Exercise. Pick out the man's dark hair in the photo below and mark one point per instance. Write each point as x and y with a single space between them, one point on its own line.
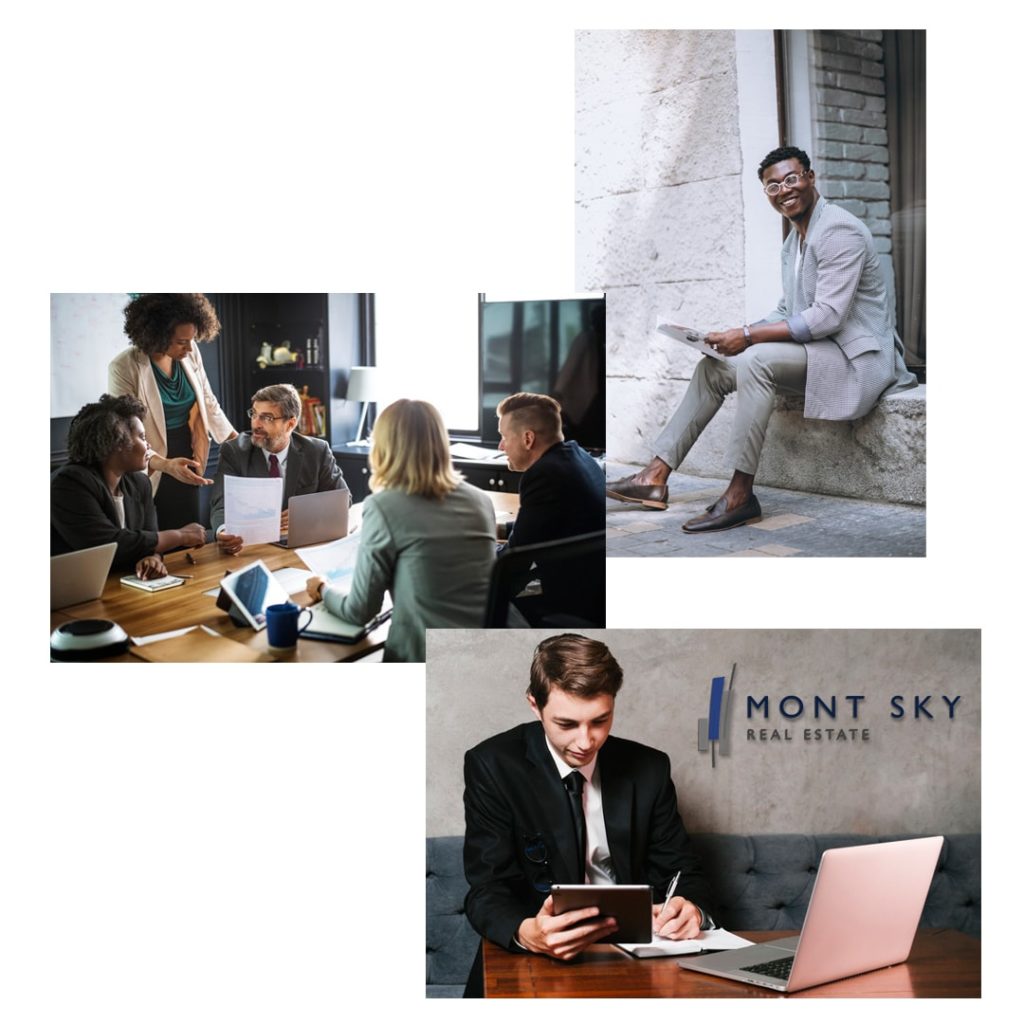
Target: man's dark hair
576 664
101 428
780 154
149 320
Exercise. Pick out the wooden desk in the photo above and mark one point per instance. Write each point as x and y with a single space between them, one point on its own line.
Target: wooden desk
142 614
942 963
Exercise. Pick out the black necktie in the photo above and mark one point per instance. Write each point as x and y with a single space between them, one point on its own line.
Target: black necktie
574 787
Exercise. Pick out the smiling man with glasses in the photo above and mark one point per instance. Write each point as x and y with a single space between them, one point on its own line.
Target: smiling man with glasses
271 449
831 339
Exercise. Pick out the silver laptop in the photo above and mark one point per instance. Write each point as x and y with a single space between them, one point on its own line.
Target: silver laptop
79 575
316 518
863 914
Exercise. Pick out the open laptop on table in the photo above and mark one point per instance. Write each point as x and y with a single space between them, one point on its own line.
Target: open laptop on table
863 914
79 575
316 518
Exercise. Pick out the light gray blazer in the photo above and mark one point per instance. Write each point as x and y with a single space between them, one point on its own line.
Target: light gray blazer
838 308
435 558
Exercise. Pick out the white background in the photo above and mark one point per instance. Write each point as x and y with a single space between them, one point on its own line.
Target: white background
243 845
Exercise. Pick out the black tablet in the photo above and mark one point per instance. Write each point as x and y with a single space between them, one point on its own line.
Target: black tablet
630 905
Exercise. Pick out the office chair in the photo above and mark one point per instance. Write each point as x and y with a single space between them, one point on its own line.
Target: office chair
580 604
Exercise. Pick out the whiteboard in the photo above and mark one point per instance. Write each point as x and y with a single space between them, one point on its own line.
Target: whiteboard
86 332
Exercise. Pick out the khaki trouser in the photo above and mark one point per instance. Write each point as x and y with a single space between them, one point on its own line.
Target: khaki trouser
757 374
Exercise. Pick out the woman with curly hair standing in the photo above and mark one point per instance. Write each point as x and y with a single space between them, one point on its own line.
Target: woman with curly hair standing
164 370
103 496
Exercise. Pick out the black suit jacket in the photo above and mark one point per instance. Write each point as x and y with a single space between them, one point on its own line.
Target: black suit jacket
310 469
562 495
515 800
82 515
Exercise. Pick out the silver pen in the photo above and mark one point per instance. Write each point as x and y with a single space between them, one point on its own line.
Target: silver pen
670 891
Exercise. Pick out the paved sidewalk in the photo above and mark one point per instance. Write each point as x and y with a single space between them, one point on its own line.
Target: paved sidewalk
795 525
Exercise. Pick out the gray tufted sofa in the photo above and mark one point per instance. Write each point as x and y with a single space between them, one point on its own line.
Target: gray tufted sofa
760 882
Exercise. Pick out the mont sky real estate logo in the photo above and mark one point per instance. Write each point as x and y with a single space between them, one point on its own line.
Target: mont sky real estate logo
834 718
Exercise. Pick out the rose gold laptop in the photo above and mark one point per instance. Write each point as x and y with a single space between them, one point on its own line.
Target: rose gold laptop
863 914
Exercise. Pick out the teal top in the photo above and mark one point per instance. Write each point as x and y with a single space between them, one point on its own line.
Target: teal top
176 395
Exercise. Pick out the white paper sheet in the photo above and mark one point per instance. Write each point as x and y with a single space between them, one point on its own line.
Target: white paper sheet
336 561
252 508
717 938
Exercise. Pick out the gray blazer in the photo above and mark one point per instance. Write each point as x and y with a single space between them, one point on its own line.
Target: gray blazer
838 308
310 469
434 557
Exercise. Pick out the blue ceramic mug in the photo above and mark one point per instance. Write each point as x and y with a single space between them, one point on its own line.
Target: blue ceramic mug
283 627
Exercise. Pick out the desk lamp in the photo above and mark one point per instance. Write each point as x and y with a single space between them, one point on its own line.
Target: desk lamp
363 386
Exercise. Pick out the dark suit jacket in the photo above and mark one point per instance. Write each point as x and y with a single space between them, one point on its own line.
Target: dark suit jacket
310 469
562 495
82 515
514 795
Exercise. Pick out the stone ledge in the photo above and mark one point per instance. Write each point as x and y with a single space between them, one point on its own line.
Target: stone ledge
878 458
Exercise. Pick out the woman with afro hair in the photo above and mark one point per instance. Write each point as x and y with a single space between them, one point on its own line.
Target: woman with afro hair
164 370
103 495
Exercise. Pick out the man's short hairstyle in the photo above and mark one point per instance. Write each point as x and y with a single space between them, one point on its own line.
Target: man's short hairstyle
282 395
410 451
150 320
783 153
576 664
102 428
539 413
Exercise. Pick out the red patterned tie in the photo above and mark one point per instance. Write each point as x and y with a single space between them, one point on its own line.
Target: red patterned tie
275 469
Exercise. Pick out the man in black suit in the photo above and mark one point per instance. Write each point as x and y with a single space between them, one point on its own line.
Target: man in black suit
522 834
270 449
561 494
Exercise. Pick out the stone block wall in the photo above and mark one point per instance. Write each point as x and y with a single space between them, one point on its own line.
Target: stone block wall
659 222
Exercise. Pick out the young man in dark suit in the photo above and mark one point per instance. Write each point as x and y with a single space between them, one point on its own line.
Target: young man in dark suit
561 494
270 449
526 789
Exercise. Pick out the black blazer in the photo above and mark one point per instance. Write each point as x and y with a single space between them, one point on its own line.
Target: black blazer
562 495
82 515
516 802
311 468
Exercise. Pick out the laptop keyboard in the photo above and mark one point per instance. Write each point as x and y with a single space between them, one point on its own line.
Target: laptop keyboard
774 968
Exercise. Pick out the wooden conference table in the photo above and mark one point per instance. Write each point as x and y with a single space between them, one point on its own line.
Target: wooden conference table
142 614
943 963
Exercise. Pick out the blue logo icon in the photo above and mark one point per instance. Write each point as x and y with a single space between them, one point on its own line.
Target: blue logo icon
713 731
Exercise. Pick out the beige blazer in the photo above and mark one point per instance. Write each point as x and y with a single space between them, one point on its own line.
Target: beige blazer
131 373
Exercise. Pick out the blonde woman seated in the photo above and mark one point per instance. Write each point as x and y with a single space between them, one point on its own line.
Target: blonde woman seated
427 536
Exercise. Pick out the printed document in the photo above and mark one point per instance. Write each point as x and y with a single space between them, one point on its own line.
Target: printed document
252 508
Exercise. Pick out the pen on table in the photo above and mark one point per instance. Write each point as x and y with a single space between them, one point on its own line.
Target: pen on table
190 558
670 892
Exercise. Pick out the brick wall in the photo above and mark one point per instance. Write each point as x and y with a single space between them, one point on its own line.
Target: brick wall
851 156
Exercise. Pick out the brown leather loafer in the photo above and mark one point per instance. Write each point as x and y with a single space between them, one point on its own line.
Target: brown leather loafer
717 518
648 495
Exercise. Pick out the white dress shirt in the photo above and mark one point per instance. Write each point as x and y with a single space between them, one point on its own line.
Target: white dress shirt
599 858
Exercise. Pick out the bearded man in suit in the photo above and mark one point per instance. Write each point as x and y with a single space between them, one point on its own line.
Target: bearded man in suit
831 339
523 832
272 449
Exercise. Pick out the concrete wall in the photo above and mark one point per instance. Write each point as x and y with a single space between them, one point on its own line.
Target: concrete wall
909 776
659 208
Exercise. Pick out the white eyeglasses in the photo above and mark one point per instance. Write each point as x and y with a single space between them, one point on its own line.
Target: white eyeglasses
789 181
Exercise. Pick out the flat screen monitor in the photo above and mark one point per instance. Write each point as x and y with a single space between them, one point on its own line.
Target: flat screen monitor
552 347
